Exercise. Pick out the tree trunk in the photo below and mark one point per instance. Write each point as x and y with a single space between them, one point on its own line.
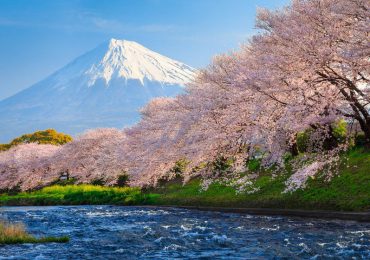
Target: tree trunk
365 127
330 142
294 148
366 131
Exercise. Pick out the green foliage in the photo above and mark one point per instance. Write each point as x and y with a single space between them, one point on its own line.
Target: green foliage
222 165
48 136
350 190
98 182
254 164
4 147
180 166
303 139
287 157
33 240
360 140
70 181
340 130
12 191
122 180
79 195
199 167
175 172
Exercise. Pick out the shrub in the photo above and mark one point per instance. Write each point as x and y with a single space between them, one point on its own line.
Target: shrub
360 139
122 180
98 182
180 166
340 130
338 134
14 190
222 165
70 181
254 164
303 139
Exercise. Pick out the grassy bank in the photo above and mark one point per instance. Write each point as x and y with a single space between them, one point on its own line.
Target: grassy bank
349 191
17 234
78 195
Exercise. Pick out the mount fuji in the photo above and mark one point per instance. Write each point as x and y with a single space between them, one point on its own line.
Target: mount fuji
105 87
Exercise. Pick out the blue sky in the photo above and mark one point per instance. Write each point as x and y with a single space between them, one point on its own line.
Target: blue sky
40 36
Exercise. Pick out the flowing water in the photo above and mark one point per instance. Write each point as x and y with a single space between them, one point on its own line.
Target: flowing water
111 232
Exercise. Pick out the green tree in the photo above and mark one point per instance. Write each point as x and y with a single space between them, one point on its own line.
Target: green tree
48 136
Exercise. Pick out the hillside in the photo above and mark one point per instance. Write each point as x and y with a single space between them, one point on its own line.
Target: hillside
349 190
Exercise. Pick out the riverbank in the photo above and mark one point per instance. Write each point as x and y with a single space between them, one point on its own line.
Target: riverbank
347 192
78 195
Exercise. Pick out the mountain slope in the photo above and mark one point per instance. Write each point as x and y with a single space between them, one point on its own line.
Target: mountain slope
102 88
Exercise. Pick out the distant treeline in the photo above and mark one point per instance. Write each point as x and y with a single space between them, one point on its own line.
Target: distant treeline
48 136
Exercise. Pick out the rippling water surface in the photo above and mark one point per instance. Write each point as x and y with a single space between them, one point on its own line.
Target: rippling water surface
110 232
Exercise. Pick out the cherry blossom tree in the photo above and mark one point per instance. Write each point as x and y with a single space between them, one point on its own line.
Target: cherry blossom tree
93 155
318 51
307 68
25 166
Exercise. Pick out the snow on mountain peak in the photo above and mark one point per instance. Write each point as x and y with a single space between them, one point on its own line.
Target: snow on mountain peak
104 87
130 60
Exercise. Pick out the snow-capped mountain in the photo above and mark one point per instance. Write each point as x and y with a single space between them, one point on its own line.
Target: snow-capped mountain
105 87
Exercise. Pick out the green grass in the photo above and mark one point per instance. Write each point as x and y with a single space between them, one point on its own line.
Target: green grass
16 234
78 195
33 240
349 191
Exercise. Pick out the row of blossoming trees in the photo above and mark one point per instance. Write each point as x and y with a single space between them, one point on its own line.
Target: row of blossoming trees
306 68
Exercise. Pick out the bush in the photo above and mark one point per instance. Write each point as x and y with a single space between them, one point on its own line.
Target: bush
98 182
222 165
338 135
12 191
360 140
180 166
254 164
122 180
303 140
70 181
340 130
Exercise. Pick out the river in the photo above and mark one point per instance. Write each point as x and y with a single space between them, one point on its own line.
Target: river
112 232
